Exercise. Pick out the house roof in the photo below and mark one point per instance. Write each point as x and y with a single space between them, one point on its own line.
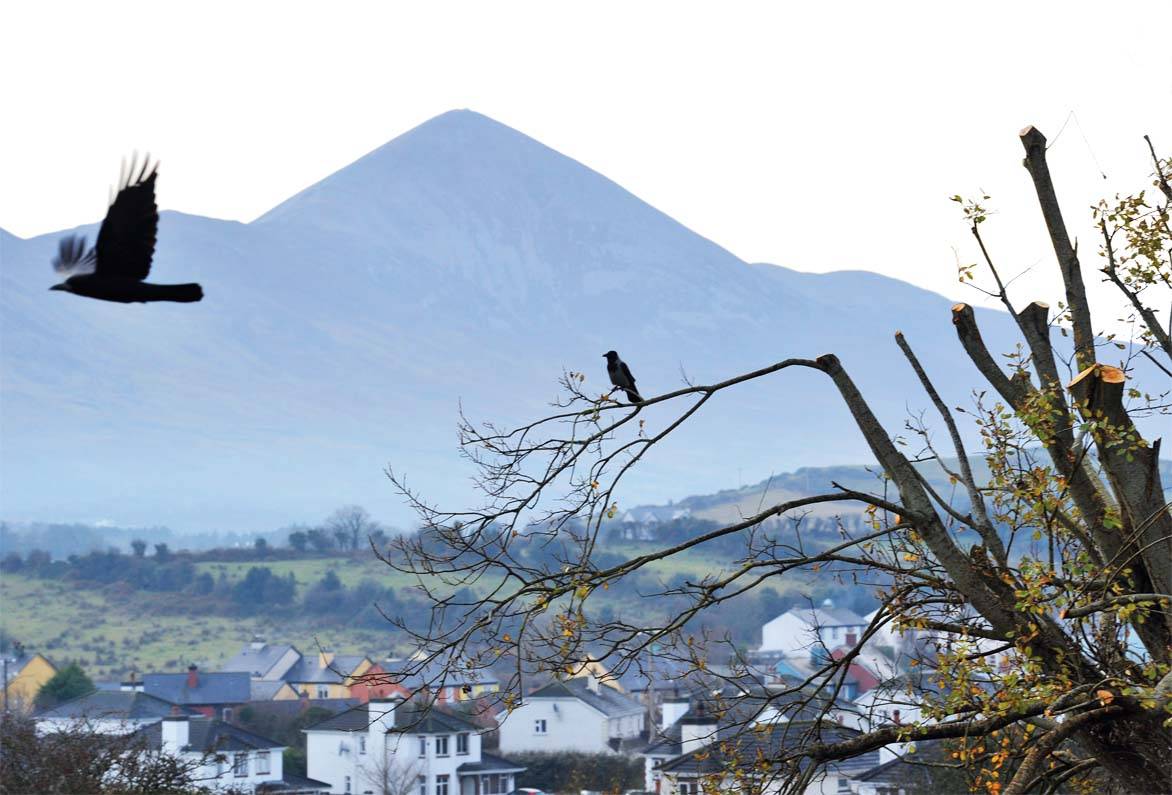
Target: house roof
307 670
914 772
765 742
410 718
292 783
206 735
490 764
738 713
257 660
289 708
112 705
436 675
264 690
607 700
826 616
211 688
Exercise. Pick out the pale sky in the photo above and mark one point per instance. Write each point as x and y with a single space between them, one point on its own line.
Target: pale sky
818 136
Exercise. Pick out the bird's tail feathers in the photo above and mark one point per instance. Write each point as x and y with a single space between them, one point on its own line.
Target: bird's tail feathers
183 293
633 396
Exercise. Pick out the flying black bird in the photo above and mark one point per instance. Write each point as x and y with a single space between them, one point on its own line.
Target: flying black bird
114 269
620 376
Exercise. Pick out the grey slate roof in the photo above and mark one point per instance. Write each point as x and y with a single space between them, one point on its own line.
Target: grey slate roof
206 735
264 689
113 705
292 783
409 717
737 713
306 670
829 616
211 688
437 675
767 742
607 700
257 662
917 773
490 764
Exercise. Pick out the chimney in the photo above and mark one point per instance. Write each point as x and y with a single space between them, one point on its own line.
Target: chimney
697 729
380 714
325 659
672 710
257 644
303 697
192 676
131 684
851 639
176 733
591 681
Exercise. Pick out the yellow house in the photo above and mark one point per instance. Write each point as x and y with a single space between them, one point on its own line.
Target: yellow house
25 676
327 675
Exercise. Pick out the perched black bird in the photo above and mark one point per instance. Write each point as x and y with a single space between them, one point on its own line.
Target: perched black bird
114 269
620 376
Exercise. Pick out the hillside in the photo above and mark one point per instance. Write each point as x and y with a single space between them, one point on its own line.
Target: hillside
462 263
729 505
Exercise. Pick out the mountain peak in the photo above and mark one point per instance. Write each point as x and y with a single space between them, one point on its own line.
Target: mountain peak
461 140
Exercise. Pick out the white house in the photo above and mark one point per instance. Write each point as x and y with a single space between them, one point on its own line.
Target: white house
225 757
388 745
802 631
573 715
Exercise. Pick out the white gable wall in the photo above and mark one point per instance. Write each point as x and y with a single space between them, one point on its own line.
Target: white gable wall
570 724
787 634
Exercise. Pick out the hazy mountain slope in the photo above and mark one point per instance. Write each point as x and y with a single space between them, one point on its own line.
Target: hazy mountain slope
462 261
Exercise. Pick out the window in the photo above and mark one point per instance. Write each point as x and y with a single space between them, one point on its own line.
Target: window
226 714
441 745
362 743
323 691
422 785
493 784
462 744
347 784
240 765
262 762
441 785
685 788
422 747
539 726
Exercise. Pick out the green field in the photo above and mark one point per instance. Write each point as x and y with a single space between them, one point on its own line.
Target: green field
111 632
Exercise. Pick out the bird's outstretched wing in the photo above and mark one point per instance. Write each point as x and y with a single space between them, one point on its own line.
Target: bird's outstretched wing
72 258
126 241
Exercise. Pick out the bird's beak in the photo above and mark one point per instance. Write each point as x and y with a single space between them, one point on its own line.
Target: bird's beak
59 287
